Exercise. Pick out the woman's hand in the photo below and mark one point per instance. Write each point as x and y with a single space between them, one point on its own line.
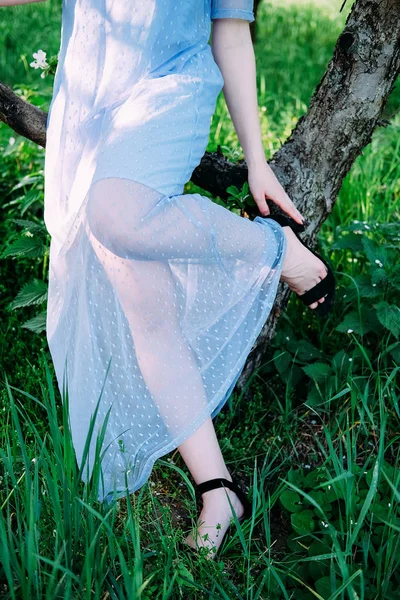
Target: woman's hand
263 183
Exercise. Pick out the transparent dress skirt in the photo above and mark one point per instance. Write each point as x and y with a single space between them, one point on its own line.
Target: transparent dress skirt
156 297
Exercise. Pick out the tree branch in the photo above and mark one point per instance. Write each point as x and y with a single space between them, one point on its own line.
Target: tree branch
24 118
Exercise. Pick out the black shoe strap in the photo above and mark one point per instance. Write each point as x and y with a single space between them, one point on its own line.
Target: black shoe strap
212 484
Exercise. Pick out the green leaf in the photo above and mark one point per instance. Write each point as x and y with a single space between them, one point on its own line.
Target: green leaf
318 567
366 288
318 547
291 501
353 323
249 201
395 277
30 226
313 478
296 476
302 522
375 252
389 316
318 371
282 362
233 191
26 246
396 354
33 292
295 544
314 397
323 586
379 277
320 498
351 241
305 351
37 324
184 572
27 180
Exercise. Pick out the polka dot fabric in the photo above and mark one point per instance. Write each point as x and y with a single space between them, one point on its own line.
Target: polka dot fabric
156 297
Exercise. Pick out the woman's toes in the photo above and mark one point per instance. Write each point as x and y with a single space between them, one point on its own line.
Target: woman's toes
314 305
322 299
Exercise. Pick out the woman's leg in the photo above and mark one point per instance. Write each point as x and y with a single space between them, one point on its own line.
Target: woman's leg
202 455
201 452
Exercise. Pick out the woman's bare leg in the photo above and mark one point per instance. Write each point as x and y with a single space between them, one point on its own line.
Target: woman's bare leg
202 455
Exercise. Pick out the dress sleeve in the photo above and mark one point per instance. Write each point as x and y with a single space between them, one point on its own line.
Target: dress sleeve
232 9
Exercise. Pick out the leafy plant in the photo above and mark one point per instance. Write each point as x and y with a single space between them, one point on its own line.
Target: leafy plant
370 315
239 200
356 513
31 244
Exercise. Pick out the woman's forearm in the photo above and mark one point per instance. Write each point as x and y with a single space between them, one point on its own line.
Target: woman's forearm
233 52
15 2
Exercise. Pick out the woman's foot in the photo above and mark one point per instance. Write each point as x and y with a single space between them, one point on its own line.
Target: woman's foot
301 269
214 519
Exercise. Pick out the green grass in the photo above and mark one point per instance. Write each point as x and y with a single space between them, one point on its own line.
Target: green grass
318 442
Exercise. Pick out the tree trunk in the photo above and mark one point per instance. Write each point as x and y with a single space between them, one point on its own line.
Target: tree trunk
344 111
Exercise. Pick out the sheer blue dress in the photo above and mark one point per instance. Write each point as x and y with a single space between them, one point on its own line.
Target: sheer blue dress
156 297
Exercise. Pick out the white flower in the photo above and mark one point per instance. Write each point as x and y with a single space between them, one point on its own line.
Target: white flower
11 141
307 466
349 331
40 60
313 422
378 262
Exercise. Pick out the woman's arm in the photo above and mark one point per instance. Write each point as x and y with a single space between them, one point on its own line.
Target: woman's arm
233 52
15 2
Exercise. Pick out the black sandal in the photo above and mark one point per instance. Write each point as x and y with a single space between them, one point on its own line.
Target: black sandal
325 287
212 484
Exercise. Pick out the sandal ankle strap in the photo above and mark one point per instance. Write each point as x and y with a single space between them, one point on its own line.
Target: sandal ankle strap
212 484
218 482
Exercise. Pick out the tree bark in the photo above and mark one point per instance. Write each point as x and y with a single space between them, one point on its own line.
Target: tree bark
24 118
344 111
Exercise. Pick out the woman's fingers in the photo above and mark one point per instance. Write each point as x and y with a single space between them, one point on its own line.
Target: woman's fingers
286 204
262 206
263 183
